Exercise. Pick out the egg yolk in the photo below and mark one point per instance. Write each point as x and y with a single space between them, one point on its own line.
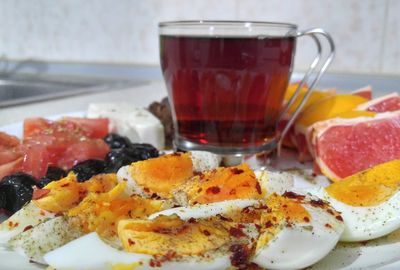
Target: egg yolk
100 212
370 187
167 234
66 193
124 266
221 184
163 174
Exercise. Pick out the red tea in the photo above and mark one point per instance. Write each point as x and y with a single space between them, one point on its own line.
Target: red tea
226 91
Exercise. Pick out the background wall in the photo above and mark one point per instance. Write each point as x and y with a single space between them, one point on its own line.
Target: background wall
366 32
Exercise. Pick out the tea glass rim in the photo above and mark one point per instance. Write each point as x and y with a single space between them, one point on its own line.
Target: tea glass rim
226 28
206 23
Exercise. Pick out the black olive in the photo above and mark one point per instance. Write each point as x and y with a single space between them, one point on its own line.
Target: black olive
116 141
18 178
53 174
17 189
3 199
86 169
145 150
117 158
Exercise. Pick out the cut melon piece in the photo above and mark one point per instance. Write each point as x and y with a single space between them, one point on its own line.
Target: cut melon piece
388 103
347 146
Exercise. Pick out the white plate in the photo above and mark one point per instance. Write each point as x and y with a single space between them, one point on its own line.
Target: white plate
383 253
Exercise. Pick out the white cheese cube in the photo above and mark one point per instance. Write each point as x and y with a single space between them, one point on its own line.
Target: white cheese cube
138 124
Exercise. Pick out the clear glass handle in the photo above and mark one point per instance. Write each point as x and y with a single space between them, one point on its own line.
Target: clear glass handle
315 34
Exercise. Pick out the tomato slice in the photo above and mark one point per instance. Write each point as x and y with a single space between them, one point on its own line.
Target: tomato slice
35 125
39 193
11 167
95 128
36 160
9 155
8 141
84 150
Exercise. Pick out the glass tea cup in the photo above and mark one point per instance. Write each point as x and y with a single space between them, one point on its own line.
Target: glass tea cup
227 80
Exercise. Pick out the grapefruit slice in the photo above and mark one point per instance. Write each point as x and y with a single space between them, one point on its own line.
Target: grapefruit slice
365 92
388 103
344 147
325 108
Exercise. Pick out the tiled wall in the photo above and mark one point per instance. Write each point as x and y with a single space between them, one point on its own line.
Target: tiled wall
366 32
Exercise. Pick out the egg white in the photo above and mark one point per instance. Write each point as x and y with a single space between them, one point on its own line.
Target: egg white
367 222
301 244
204 161
206 210
275 182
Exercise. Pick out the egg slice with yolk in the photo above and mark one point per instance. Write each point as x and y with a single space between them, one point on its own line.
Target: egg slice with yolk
369 201
158 177
296 232
166 242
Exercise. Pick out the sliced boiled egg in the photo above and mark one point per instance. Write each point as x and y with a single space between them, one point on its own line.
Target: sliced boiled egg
157 177
296 232
369 201
166 242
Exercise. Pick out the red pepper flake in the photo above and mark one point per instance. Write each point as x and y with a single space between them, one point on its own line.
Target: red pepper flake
236 232
317 203
65 185
130 242
268 224
206 233
306 219
292 195
39 193
328 225
258 188
338 217
224 218
232 192
158 260
147 190
236 171
27 228
213 190
199 190
173 231
330 211
240 255
192 220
